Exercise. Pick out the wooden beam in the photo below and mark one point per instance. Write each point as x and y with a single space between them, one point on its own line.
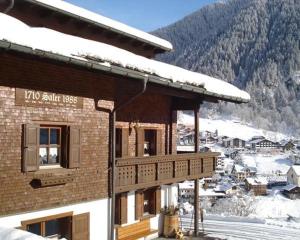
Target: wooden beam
196 182
185 104
196 207
197 140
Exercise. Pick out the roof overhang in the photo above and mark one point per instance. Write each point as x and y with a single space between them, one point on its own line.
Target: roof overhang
118 70
158 43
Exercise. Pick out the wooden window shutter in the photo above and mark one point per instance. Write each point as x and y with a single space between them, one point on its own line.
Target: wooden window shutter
140 138
123 200
31 141
139 204
159 142
74 147
81 227
157 200
125 141
121 209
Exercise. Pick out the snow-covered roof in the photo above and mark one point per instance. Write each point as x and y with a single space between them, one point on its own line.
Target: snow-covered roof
239 168
16 234
186 185
209 193
107 56
289 187
296 169
257 180
101 21
223 187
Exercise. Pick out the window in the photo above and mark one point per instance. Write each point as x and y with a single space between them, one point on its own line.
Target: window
50 145
47 145
147 202
56 228
149 142
122 140
61 226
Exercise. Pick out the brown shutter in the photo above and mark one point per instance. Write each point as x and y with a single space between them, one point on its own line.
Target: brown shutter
157 200
74 147
125 141
140 138
81 227
139 204
31 141
159 142
121 208
123 204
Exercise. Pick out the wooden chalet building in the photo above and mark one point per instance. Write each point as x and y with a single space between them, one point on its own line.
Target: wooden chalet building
88 124
256 184
233 143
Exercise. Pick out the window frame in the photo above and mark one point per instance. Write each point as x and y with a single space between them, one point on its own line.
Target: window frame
49 145
42 221
70 146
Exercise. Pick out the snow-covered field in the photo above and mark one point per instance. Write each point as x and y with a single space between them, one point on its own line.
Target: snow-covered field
267 163
230 128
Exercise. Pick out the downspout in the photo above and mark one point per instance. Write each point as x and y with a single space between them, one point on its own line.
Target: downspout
10 7
113 154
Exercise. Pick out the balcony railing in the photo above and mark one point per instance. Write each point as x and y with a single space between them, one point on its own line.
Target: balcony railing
142 172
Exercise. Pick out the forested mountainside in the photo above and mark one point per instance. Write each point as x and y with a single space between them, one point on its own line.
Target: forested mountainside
254 44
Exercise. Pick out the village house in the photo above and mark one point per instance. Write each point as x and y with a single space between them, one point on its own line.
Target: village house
242 172
263 144
225 188
293 175
233 143
231 153
287 145
88 124
256 184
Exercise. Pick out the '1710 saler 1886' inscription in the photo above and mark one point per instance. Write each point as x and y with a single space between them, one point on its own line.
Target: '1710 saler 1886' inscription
25 97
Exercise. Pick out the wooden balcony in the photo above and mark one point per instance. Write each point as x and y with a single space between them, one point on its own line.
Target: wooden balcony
142 172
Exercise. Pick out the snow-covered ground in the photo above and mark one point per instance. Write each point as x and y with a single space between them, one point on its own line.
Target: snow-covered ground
241 228
267 163
231 128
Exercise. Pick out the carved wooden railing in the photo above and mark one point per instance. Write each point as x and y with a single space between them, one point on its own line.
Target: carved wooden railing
142 172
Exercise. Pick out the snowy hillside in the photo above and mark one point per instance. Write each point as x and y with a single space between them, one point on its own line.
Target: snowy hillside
230 128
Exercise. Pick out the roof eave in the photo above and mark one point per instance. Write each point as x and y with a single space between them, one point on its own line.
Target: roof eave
117 70
156 45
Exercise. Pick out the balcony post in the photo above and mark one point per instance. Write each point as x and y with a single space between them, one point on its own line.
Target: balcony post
196 182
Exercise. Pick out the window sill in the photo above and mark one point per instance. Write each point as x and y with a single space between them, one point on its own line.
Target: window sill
46 177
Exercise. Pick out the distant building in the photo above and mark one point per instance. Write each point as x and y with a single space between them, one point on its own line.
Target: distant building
231 153
291 191
260 144
234 143
225 188
257 184
287 145
242 172
293 175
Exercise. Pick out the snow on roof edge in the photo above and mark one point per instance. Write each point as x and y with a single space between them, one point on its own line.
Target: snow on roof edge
53 42
104 21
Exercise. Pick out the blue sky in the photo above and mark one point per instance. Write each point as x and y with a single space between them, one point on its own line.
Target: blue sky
146 15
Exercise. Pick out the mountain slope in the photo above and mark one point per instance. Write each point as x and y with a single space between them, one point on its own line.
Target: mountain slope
254 44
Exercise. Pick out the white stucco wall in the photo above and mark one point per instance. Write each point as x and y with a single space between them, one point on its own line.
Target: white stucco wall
98 210
292 177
